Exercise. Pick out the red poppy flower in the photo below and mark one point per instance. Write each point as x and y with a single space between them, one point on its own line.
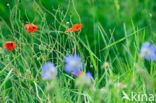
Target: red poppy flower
75 27
31 27
10 45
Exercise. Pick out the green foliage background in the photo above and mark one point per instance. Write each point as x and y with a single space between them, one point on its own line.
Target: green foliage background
113 31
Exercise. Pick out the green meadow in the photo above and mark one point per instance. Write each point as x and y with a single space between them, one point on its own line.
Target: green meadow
109 44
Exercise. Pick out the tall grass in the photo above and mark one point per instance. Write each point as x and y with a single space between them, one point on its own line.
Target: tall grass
114 62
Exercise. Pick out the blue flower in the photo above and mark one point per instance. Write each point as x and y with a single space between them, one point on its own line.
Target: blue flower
73 64
49 71
148 51
88 76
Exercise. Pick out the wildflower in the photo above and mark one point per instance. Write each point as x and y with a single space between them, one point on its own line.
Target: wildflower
84 79
73 64
88 76
10 45
148 51
75 27
105 65
31 27
77 74
49 71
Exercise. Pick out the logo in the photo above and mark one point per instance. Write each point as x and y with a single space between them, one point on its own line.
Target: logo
139 97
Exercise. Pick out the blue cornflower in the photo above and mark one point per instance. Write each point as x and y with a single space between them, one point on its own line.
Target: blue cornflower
88 76
148 51
49 71
73 64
